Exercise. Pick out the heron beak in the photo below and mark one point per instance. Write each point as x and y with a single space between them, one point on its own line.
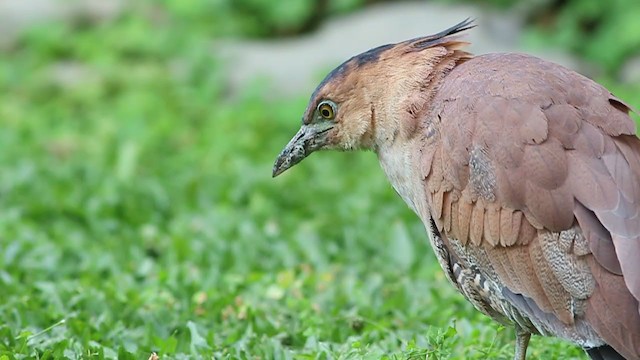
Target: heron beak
309 138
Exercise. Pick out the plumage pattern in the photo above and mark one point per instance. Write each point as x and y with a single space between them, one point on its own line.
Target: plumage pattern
541 169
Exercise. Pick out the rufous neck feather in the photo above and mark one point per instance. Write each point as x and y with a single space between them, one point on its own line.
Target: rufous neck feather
401 98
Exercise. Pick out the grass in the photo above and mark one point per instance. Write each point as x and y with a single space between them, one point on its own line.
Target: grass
138 214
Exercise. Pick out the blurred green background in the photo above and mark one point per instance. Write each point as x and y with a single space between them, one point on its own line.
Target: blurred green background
138 213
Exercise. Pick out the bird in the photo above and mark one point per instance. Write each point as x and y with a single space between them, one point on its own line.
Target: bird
525 174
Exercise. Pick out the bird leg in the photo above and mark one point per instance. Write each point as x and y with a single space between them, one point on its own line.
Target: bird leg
522 342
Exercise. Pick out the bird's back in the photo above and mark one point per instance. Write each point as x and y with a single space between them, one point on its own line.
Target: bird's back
533 185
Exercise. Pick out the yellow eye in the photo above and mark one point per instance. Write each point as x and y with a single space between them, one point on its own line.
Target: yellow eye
326 110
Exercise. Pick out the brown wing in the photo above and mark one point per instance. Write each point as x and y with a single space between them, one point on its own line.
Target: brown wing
528 149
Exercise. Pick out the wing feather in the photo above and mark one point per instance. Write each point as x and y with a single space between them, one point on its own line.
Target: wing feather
530 148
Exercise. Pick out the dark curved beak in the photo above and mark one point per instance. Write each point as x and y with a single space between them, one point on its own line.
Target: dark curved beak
309 138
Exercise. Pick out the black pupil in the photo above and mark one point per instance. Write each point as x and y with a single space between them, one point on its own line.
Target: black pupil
325 112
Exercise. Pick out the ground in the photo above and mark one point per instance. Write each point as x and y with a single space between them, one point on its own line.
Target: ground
138 214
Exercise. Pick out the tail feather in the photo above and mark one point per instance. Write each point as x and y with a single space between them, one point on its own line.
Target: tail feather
604 352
